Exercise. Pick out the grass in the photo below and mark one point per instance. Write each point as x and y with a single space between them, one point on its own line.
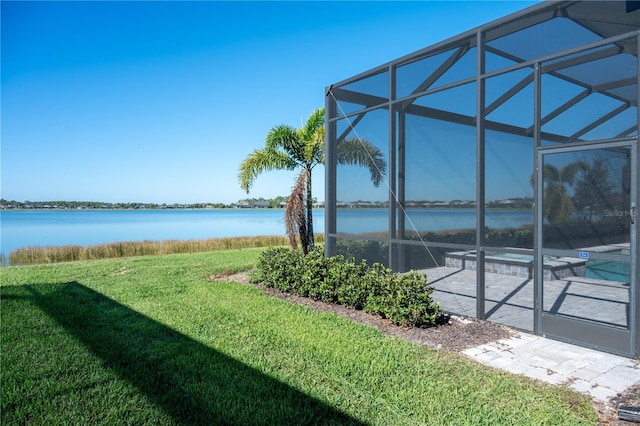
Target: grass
152 340
69 253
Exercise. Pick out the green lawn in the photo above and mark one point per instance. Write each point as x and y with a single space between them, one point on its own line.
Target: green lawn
150 340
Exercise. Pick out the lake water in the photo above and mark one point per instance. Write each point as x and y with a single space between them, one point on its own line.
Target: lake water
26 228
350 220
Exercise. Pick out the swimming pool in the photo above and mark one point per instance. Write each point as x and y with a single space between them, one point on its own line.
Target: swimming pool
521 265
517 265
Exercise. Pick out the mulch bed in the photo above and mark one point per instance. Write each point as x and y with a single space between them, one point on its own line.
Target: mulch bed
461 333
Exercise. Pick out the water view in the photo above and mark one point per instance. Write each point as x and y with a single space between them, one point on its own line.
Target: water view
27 228
358 220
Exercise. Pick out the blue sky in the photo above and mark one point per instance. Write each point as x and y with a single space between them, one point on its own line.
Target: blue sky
161 101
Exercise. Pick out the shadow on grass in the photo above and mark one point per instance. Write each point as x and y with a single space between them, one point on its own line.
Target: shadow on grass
193 383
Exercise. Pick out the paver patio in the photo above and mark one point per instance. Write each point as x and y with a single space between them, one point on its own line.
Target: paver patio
509 300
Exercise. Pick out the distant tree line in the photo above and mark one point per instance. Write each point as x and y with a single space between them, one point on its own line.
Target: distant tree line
276 202
510 203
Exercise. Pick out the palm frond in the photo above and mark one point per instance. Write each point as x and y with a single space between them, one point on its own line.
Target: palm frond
314 148
259 161
569 172
363 153
286 138
312 125
550 173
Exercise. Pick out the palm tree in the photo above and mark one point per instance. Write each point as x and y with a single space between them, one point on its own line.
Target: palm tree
594 190
287 148
558 205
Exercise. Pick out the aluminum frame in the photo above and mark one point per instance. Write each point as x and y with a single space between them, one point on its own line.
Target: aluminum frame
612 42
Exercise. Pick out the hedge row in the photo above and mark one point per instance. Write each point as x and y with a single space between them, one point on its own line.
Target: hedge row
403 298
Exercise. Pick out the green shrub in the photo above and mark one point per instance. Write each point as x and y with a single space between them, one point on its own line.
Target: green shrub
369 250
407 300
351 283
403 298
277 268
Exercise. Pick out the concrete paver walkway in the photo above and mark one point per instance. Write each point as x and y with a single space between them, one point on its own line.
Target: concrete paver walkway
598 374
509 301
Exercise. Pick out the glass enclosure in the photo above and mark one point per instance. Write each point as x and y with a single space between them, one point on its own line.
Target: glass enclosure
503 162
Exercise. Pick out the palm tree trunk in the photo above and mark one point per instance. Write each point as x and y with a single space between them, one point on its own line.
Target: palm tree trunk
309 212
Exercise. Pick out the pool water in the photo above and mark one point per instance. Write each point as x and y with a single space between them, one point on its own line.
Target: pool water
608 270
516 256
600 269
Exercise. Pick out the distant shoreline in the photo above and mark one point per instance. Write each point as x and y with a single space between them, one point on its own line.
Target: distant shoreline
59 227
249 203
131 209
16 209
